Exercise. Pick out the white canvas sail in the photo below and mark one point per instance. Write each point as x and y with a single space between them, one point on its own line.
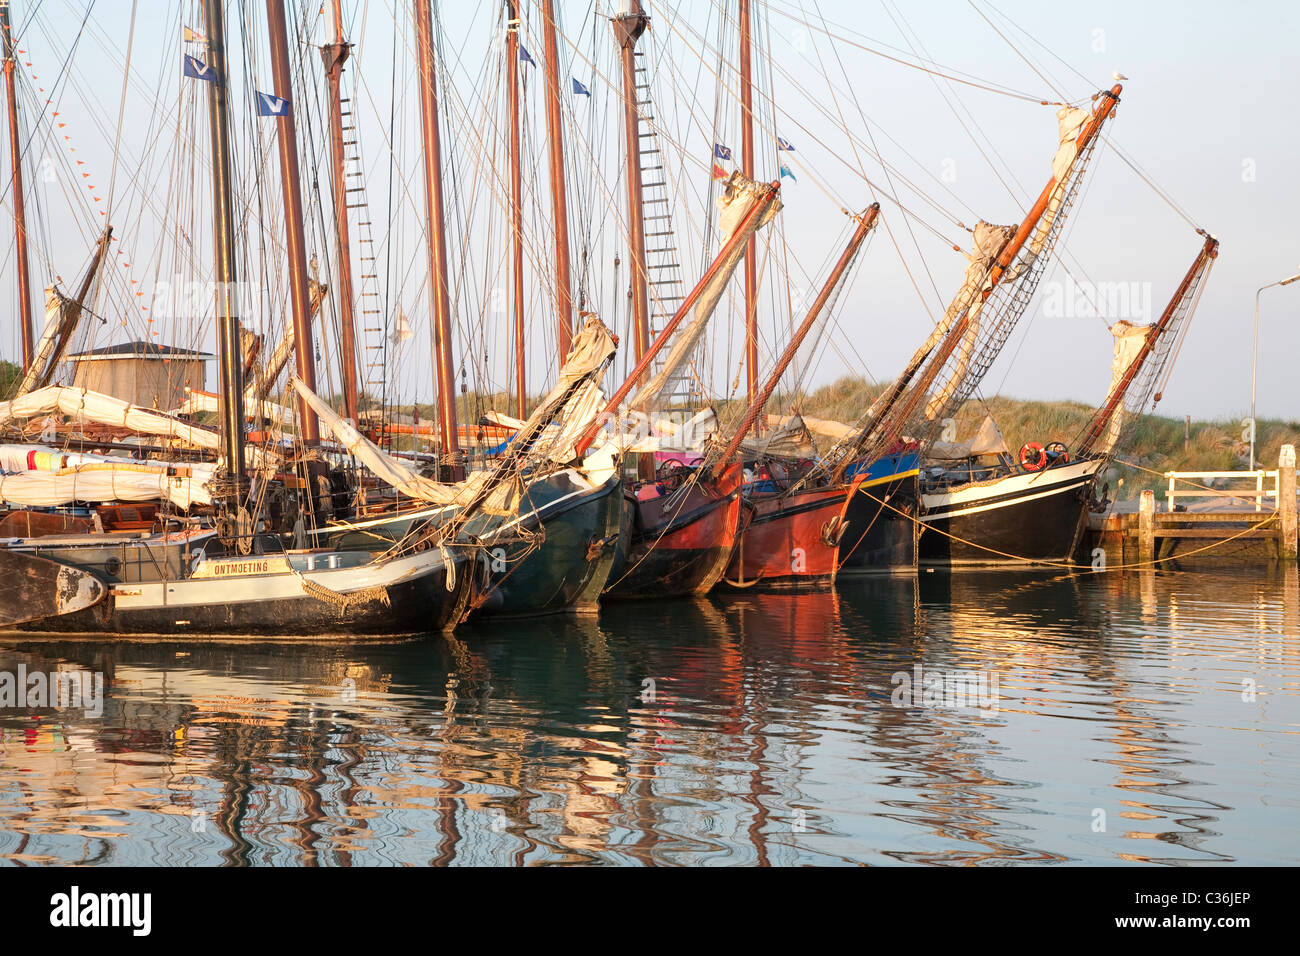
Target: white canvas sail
592 347
739 196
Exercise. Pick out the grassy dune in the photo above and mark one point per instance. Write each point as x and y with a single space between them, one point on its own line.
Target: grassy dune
1153 442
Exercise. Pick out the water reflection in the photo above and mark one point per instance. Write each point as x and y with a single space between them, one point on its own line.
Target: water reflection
1142 718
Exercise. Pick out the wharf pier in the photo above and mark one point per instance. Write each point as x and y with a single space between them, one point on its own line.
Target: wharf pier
1225 522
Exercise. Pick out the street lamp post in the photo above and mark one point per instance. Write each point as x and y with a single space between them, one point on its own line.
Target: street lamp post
1254 359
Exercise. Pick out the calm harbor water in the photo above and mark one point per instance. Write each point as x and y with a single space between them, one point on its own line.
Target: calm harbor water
1146 719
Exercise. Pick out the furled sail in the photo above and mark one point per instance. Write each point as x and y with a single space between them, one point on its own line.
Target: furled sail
84 405
37 476
990 240
61 317
574 402
739 196
1130 340
197 401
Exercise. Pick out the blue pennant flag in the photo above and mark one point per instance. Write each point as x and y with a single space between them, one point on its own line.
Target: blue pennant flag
268 105
523 55
199 70
784 145
785 171
579 89
722 152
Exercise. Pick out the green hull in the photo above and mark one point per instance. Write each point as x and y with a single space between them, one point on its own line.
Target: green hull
574 531
566 566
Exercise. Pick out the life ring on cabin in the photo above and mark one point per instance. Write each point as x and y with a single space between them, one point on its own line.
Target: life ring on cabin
1059 454
1032 456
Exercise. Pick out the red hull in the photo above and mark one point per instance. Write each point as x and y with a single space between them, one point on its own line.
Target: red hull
680 543
791 541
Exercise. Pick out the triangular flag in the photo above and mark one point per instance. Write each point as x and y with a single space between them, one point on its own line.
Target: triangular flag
268 105
785 171
199 70
784 144
719 172
523 55
722 152
579 89
403 330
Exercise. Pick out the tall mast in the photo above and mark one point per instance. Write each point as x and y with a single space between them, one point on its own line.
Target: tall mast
437 241
299 293
335 55
20 215
747 167
898 402
1181 297
628 27
229 355
559 197
516 206
865 222
724 262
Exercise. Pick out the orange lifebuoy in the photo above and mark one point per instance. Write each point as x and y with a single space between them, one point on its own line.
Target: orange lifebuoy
1032 456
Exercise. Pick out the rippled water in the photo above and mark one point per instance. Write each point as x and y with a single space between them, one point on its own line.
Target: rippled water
1141 718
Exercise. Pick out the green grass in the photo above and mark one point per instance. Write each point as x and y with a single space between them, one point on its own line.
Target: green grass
1154 442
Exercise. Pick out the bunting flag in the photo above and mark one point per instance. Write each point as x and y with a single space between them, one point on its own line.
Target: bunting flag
579 89
785 171
722 152
719 172
523 55
199 70
268 105
190 36
784 145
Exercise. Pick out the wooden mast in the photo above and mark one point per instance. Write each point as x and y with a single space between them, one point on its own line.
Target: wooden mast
865 222
1209 251
939 351
229 354
559 196
666 334
20 214
437 236
291 190
334 56
516 207
628 28
747 168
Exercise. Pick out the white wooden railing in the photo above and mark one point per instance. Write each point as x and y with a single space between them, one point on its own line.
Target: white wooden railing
1258 493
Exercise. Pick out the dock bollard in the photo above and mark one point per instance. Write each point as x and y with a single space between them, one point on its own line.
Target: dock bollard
1286 504
1147 527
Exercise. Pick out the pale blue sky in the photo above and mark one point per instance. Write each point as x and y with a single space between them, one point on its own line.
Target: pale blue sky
1208 112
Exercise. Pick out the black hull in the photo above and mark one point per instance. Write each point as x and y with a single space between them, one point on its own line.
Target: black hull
877 538
1039 523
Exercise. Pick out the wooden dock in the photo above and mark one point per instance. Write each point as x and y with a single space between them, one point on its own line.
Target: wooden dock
1150 536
